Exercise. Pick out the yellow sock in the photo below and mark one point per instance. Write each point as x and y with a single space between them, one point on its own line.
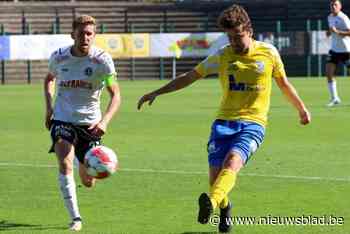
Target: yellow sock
222 186
224 202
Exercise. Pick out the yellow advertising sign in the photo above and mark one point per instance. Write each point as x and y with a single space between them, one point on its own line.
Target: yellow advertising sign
124 45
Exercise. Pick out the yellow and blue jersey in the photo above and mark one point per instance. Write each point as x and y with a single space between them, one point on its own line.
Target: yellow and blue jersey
246 80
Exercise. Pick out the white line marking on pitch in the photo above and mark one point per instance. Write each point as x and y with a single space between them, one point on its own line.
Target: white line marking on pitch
317 178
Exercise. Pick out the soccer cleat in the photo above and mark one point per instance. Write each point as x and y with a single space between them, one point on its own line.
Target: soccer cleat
205 208
76 225
225 224
334 102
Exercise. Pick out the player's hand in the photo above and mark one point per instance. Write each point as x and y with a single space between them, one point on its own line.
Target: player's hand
150 97
98 129
48 118
305 117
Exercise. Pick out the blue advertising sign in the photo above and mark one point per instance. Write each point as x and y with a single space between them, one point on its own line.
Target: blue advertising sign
4 47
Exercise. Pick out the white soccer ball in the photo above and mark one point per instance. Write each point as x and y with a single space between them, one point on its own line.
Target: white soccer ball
101 162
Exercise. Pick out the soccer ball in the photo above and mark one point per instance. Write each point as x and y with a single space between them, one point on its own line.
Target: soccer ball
101 162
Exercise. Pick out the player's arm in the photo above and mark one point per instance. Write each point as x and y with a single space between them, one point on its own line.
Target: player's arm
290 92
179 82
330 26
49 91
112 87
343 33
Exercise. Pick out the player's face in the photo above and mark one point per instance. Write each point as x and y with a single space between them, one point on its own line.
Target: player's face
239 39
83 37
335 7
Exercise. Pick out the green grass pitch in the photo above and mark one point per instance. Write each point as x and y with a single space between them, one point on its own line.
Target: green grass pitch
299 170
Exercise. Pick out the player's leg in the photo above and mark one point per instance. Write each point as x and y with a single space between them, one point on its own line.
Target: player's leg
225 223
65 155
243 144
63 136
226 179
222 180
218 146
246 138
85 141
213 174
86 180
205 206
331 67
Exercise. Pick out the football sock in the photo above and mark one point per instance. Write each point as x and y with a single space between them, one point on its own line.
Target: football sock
224 203
68 190
222 186
332 87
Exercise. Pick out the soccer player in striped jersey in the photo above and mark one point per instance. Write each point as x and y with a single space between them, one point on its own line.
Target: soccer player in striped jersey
245 69
80 72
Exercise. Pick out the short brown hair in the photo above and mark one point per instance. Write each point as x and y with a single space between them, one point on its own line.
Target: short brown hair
235 16
83 20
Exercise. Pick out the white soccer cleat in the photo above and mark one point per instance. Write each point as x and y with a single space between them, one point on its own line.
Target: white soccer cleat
334 102
75 226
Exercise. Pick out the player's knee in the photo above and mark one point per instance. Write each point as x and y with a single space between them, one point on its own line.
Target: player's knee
330 70
66 167
233 161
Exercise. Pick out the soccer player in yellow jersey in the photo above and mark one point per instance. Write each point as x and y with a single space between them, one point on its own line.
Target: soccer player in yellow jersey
245 68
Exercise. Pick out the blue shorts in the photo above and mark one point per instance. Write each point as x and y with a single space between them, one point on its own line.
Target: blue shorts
243 137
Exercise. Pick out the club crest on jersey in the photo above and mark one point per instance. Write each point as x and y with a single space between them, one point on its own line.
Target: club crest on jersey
260 66
88 71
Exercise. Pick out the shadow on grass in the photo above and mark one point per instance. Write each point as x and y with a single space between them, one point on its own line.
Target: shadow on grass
199 233
7 226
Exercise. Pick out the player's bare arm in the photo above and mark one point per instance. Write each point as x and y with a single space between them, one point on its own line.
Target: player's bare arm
289 91
49 90
100 128
179 82
340 32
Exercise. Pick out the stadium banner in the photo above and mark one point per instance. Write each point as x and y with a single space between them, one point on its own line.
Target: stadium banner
287 43
124 45
39 47
186 44
4 47
320 43
36 47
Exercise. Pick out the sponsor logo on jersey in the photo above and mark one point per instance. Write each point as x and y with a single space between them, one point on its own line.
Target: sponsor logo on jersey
240 86
75 84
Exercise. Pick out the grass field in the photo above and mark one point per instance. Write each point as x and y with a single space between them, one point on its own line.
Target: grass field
299 170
